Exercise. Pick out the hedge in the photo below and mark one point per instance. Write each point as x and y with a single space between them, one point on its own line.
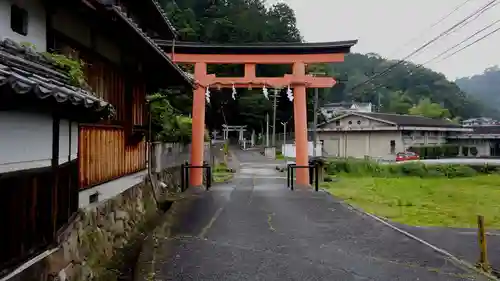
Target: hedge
357 167
433 152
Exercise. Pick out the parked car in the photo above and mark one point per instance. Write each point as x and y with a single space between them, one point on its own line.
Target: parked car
405 156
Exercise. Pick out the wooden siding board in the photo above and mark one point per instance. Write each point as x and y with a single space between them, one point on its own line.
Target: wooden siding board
105 155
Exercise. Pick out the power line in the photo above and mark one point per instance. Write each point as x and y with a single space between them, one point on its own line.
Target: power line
431 27
456 45
470 44
444 33
460 43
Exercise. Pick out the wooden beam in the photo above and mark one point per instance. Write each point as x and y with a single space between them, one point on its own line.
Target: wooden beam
256 59
56 123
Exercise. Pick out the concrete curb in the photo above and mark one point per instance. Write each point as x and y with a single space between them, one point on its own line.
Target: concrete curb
458 262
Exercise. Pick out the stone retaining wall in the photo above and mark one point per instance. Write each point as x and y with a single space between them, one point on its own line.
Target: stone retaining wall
97 233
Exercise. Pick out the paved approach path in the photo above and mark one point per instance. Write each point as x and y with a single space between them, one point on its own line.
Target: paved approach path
256 229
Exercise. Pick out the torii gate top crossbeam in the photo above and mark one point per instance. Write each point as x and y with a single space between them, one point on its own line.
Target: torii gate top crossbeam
252 54
259 53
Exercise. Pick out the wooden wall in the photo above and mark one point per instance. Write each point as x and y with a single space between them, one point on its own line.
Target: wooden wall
103 155
109 84
34 205
105 150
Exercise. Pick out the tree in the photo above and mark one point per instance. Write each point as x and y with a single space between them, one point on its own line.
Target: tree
427 108
484 87
399 103
245 21
168 125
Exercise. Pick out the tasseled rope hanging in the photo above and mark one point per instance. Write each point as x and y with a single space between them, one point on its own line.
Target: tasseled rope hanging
207 94
265 92
234 92
289 93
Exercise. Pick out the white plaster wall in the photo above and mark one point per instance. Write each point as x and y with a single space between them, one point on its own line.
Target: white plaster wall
288 150
26 141
110 189
36 23
68 146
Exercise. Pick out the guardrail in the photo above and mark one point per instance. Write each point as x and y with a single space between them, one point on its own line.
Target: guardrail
313 175
185 174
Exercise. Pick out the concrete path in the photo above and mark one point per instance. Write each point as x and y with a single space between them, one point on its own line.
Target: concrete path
256 229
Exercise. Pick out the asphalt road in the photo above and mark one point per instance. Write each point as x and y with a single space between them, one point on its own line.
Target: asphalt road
256 229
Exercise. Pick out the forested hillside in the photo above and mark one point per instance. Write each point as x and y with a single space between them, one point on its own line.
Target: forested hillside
406 89
485 86
404 86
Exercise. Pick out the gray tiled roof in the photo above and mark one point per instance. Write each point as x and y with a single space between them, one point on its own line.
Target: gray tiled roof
165 17
409 120
117 9
29 72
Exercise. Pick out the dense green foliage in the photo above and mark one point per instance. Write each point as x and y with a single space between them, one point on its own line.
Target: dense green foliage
355 167
485 86
167 124
435 151
406 86
406 89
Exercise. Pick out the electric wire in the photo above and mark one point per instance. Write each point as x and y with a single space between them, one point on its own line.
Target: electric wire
423 32
459 43
481 10
470 44
453 47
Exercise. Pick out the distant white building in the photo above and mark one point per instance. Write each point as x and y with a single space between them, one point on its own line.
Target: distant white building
480 121
331 110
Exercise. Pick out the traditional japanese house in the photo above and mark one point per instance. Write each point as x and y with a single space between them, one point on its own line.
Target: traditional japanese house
75 134
40 109
123 64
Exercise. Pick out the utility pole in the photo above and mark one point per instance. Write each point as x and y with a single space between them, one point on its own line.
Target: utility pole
267 129
315 115
284 138
378 105
315 119
276 91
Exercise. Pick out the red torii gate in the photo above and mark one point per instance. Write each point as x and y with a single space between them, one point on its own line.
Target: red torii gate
297 54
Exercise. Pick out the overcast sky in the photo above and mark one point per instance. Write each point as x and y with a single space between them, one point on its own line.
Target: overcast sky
384 26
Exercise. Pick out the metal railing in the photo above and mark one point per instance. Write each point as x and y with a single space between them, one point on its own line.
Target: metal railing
313 175
185 167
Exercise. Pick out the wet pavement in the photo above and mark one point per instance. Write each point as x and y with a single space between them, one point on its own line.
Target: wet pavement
460 242
256 229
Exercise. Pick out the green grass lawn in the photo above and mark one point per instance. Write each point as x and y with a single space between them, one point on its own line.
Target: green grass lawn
425 201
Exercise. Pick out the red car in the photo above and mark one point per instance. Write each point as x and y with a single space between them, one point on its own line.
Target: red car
405 156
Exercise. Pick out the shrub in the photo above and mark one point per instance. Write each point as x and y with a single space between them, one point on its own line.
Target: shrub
355 167
433 152
460 171
413 169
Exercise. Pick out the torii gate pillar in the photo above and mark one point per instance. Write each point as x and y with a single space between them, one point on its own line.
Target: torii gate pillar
250 56
300 119
198 126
